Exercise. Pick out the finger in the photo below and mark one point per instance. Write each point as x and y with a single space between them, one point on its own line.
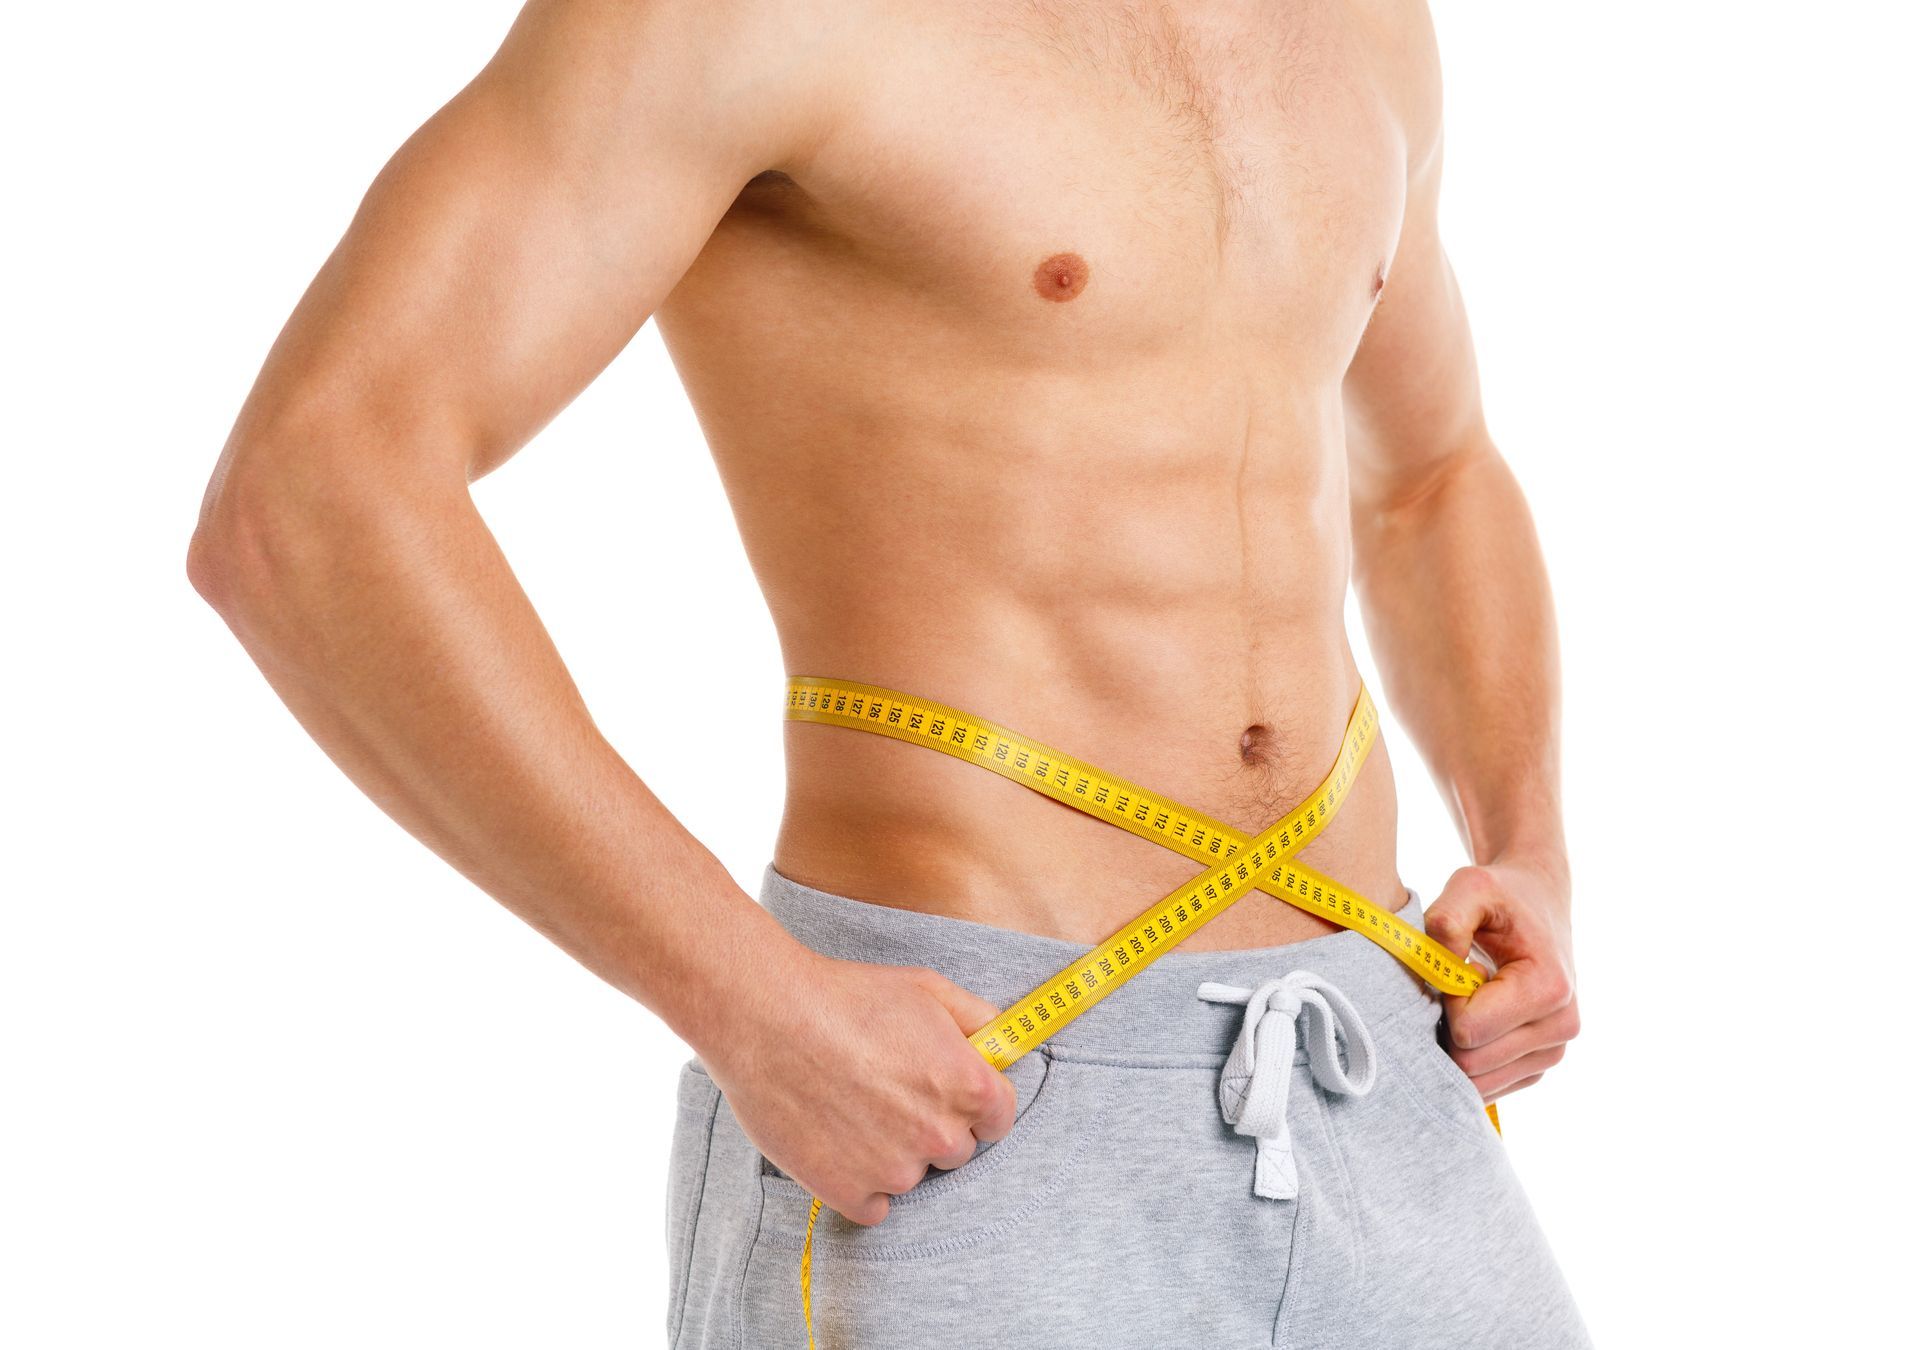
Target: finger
1465 905
1508 1077
994 1106
866 1211
987 1097
970 1012
900 1177
957 1153
1557 1028
1509 1091
1468 903
1451 1004
1520 992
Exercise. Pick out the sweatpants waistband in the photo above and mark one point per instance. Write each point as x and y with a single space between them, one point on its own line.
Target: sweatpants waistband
1157 1011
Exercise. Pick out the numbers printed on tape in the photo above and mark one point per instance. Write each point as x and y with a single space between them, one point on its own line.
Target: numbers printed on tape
1262 863
1235 864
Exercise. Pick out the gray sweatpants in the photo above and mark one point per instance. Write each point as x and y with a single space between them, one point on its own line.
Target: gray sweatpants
1263 1147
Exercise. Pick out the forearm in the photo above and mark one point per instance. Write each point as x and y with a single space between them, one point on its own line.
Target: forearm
387 619
1453 591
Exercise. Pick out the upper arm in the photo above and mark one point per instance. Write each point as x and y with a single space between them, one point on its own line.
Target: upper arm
522 235
1412 393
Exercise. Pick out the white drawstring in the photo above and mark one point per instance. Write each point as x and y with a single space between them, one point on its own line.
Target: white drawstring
1254 1080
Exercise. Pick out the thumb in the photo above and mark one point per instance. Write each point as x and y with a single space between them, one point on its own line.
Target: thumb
1464 907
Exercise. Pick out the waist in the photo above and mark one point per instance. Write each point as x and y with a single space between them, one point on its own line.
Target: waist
868 816
1157 1012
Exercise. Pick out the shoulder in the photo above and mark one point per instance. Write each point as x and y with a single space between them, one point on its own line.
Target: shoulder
758 78
1407 64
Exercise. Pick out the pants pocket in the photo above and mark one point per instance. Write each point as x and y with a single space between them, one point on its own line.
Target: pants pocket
1118 1200
946 1210
1422 1072
698 1101
921 1277
1438 1207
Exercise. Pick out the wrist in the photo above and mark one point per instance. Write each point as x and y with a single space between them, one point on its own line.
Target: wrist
1520 828
1547 863
1529 841
738 977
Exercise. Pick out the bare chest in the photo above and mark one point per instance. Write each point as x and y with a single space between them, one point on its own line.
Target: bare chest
1120 174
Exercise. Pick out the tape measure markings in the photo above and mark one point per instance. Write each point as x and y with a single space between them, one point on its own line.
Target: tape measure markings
1236 865
1147 814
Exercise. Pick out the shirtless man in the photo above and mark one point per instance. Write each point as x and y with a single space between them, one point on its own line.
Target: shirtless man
1062 360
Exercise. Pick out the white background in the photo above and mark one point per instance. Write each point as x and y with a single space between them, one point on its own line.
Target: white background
275 1075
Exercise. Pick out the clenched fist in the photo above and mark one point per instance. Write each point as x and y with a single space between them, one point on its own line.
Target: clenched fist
1516 1026
855 1079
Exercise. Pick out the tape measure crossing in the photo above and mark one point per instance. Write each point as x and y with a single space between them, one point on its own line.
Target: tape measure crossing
1236 865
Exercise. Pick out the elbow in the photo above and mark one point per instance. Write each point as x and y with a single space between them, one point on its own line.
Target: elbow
307 505
273 524
215 553
261 536
1409 486
227 554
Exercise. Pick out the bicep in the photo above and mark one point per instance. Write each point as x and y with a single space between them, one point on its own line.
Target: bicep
1412 392
520 237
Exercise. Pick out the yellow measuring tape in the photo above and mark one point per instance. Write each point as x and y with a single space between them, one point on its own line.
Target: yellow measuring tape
1236 865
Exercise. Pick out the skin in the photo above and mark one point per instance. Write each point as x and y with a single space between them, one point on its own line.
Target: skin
1062 362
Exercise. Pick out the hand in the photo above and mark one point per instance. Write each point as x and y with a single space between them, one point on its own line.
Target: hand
857 1078
1516 1026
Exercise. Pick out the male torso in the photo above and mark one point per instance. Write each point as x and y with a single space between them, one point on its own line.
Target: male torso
1064 364
1026 386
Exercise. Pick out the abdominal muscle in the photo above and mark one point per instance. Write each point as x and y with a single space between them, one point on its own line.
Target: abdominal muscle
898 824
1172 615
1035 411
1122 534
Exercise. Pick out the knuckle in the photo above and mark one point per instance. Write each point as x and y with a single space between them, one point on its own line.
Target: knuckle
984 1090
855 1206
929 1139
869 1211
956 1143
1573 1021
1554 1054
937 1140
1475 883
976 1086
901 1177
1556 986
993 1125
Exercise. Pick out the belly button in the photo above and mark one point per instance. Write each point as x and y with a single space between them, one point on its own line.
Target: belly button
1254 743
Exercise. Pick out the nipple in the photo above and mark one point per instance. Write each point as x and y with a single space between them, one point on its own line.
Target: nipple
1060 277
